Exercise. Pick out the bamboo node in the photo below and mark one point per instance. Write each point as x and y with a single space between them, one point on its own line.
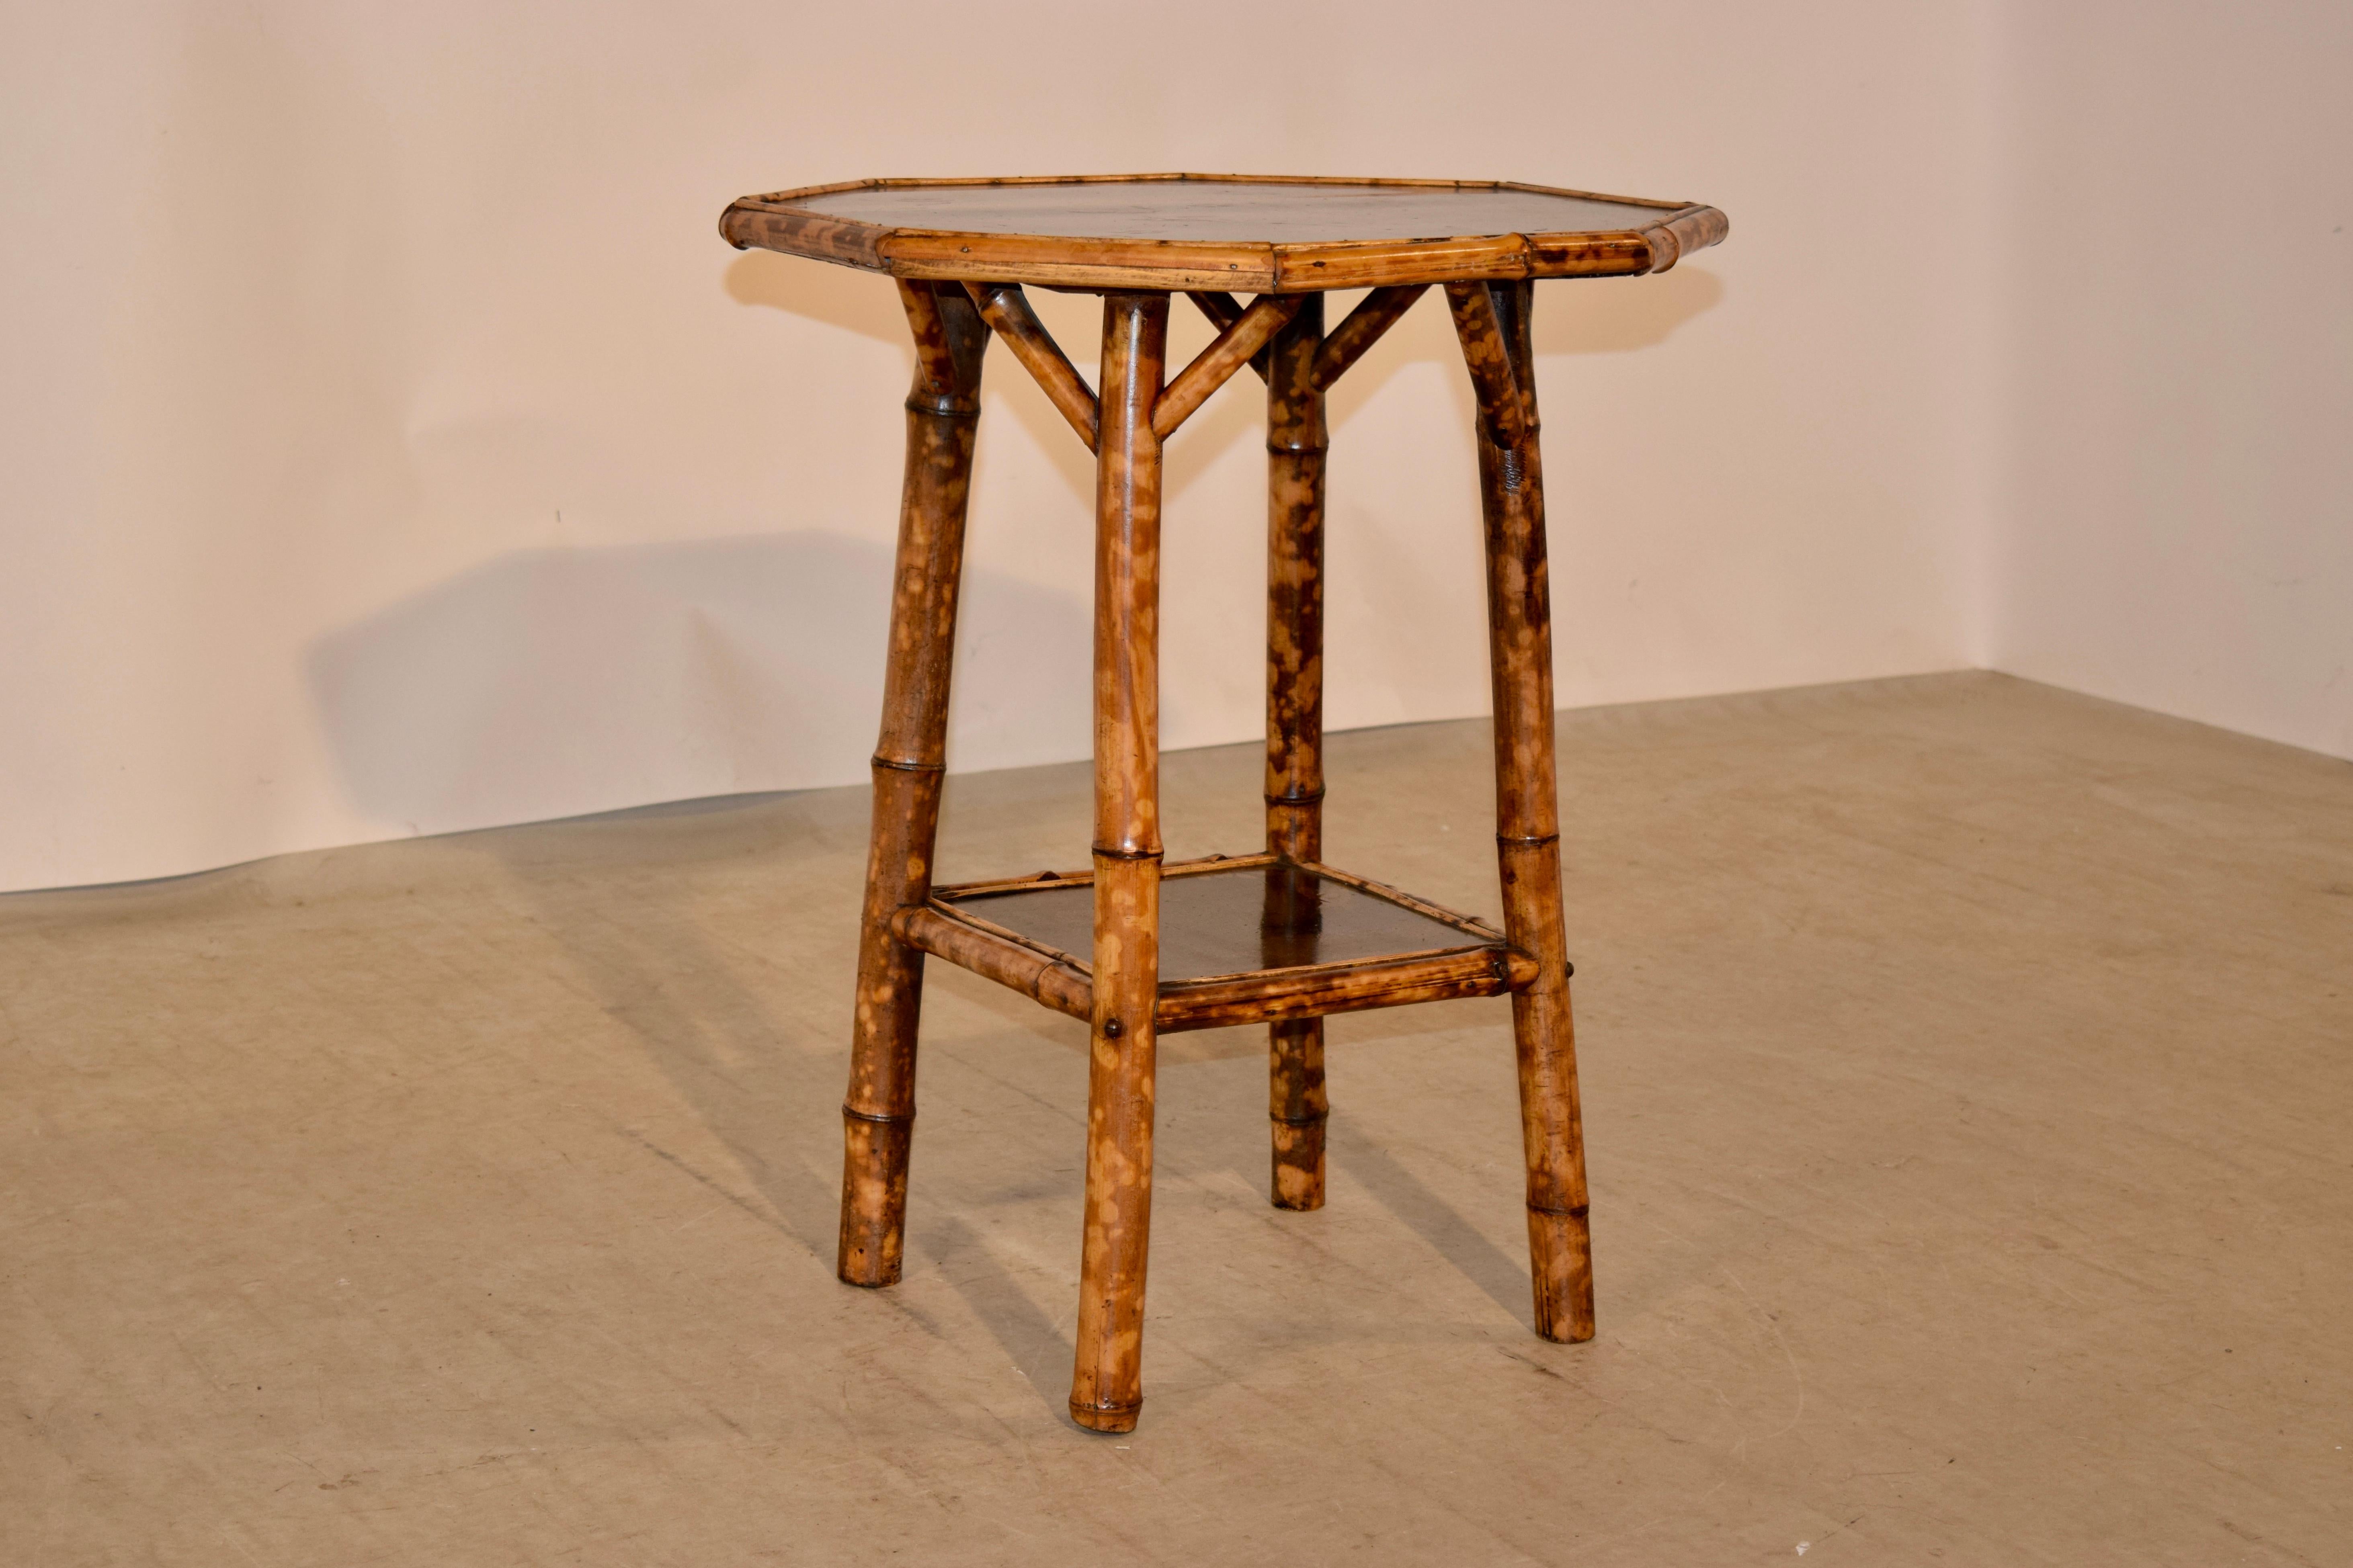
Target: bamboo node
943 406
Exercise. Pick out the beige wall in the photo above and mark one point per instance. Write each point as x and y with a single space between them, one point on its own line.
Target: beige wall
2173 523
393 448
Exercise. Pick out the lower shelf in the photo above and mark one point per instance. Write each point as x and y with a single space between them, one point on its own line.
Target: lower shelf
1243 939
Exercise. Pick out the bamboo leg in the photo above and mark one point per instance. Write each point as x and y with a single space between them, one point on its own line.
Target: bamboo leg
1106 1384
878 1115
1493 322
1295 442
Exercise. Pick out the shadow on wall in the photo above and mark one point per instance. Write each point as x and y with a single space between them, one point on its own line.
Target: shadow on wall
1586 316
857 301
867 303
1580 316
556 682
1619 315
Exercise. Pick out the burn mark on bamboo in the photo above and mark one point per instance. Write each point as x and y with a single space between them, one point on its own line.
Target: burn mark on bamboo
1641 235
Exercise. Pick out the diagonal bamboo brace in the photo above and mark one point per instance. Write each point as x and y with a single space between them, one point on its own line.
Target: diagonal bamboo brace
1374 315
1223 311
1232 349
1487 353
1009 314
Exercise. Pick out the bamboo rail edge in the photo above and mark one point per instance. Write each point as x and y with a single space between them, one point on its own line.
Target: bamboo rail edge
774 222
1486 966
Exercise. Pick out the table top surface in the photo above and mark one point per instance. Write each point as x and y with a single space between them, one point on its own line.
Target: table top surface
1222 231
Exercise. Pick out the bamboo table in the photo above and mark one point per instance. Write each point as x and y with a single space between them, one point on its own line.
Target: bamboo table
1134 947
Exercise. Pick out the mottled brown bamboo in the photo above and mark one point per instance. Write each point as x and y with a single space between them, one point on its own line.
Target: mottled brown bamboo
1059 261
878 1114
1007 311
1223 311
1296 442
1492 321
1106 1381
961 250
1297 439
959 229
1494 379
1375 314
996 953
1232 349
1397 981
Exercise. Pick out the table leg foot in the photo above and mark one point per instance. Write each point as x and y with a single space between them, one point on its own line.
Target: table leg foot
1560 1258
1110 1419
1297 1111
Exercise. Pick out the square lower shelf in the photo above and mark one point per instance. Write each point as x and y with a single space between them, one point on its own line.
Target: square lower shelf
1243 939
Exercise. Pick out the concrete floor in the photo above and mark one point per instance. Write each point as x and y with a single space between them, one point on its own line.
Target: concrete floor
1967 1068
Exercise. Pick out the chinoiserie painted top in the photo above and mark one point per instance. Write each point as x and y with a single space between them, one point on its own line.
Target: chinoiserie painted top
1260 234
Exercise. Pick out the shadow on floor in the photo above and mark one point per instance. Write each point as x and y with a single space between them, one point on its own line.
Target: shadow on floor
1038 1349
1503 1278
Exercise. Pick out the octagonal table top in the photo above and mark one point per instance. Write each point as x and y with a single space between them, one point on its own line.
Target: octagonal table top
1262 234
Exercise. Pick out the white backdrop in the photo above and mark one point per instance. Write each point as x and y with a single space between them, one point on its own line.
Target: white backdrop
393 448
2174 525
